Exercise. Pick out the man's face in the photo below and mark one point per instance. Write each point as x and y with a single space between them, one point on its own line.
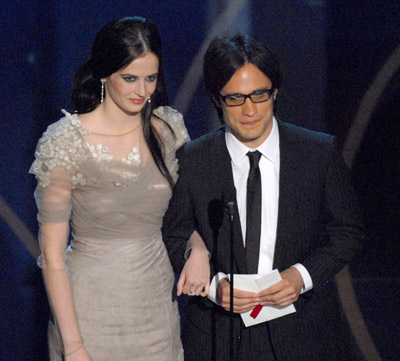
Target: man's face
250 123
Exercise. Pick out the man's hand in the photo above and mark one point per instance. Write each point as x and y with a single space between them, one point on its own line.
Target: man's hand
242 301
285 292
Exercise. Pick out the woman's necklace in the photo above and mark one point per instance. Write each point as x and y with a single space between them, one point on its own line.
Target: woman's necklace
116 135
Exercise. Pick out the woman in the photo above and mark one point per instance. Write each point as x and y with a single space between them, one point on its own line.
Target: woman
109 169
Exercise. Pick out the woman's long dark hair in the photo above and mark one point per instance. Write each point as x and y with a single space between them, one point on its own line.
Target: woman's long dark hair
116 45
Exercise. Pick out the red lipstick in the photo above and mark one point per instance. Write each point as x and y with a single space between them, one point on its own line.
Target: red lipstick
137 101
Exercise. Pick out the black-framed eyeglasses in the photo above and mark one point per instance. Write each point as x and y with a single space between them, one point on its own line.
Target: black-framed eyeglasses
238 99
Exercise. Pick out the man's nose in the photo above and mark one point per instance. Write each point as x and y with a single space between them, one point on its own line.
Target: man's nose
249 108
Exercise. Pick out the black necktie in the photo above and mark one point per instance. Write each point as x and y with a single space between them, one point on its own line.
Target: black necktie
253 217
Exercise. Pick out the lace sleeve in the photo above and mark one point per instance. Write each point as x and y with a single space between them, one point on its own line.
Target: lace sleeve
172 141
56 168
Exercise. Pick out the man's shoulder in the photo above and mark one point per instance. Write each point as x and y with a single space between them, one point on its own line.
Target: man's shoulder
295 134
205 143
208 138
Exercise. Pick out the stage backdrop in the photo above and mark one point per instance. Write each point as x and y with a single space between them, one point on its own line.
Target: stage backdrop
341 62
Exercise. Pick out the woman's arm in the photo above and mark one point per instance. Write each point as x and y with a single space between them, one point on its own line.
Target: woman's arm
53 238
195 276
54 208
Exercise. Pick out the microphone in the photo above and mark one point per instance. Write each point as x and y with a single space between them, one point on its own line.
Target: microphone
231 209
229 205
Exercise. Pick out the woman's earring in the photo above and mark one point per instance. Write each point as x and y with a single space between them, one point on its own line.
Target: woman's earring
102 90
149 100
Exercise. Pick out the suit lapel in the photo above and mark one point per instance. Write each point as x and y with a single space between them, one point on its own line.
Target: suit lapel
222 169
288 165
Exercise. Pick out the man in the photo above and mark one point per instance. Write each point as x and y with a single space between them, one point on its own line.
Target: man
294 210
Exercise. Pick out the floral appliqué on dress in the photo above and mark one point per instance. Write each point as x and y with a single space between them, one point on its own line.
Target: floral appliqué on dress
63 145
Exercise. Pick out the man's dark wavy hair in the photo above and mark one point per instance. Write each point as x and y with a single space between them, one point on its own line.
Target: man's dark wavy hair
226 55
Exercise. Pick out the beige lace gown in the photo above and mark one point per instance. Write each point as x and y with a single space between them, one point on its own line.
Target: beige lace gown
121 278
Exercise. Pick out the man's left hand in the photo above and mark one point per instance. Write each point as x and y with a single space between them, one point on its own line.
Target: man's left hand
285 292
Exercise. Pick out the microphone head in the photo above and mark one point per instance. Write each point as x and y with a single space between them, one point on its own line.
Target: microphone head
231 207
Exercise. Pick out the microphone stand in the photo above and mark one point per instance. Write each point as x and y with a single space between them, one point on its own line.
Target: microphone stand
231 206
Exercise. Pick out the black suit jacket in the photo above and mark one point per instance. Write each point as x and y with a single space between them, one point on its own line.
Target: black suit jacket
319 225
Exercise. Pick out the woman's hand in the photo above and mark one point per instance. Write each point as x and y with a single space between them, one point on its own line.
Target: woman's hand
195 276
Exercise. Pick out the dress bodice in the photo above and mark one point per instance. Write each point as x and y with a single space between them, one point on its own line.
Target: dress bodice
104 198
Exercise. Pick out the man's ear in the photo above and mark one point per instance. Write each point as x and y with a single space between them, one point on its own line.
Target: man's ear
217 102
274 94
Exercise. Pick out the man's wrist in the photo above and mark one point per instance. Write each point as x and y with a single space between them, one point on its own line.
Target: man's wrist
212 295
307 281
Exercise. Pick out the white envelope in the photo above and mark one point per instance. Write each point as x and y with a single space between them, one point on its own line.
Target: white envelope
257 283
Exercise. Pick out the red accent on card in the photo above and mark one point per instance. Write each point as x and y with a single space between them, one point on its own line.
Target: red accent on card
256 311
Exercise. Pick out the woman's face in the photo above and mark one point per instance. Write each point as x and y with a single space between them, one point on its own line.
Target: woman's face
129 88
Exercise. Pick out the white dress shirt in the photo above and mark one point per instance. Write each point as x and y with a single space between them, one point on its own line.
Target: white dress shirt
269 169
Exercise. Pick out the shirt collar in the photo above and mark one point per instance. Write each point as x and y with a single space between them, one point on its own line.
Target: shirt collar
269 148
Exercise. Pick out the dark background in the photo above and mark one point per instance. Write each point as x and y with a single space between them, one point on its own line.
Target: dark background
341 61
